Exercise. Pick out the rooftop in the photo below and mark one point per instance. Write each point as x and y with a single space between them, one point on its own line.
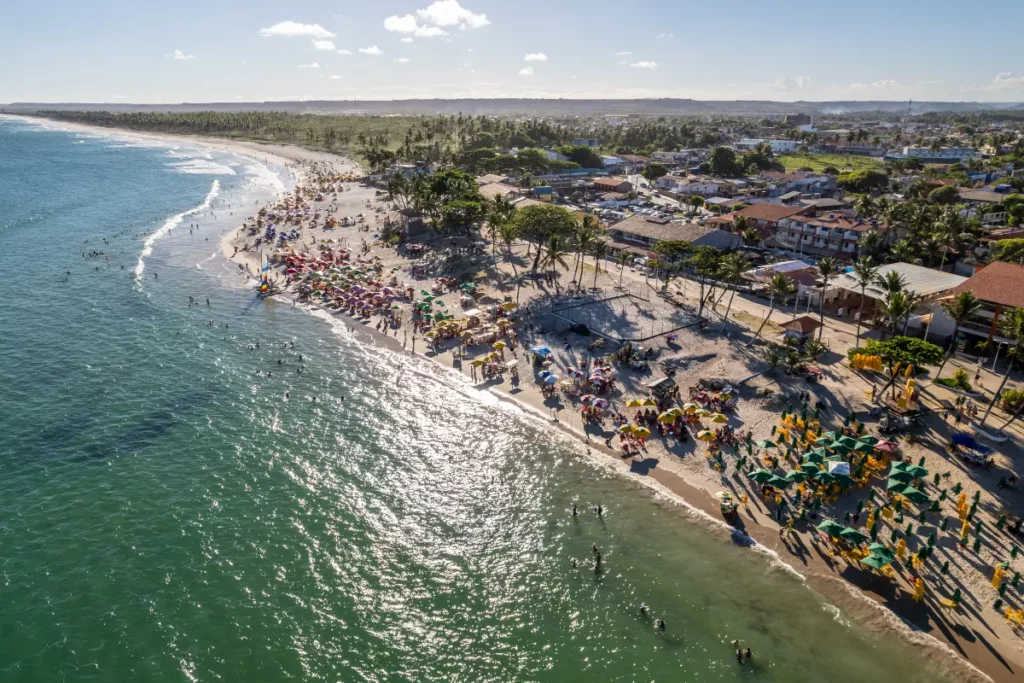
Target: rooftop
771 213
919 280
987 196
492 190
805 324
489 178
661 228
611 181
1000 283
838 220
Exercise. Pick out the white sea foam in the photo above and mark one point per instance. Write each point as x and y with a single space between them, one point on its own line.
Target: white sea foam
170 224
201 167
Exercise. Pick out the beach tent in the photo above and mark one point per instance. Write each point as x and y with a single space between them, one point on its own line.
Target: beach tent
829 527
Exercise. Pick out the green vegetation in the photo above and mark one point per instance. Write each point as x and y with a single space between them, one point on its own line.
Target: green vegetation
902 350
1011 399
864 180
820 162
960 380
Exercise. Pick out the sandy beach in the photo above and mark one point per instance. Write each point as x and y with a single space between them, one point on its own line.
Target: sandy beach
977 633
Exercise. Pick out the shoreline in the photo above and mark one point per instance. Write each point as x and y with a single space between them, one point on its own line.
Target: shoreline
816 571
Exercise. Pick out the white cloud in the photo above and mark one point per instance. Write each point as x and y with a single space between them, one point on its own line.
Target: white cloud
343 51
402 60
335 77
1005 80
372 50
786 83
665 36
887 84
536 57
406 40
313 65
293 29
323 44
408 24
526 71
624 53
645 65
178 54
451 13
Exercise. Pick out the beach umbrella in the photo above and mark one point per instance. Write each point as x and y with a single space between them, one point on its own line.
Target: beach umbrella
675 410
847 441
499 345
551 379
900 466
691 407
829 527
626 429
816 455
765 443
876 562
634 403
600 403
854 535
881 551
778 482
912 494
809 468
706 435
667 417
899 475
587 398
825 478
917 472
719 418
896 485
642 432
761 475
844 480
838 467
796 476
864 447
839 447
867 438
649 402
541 350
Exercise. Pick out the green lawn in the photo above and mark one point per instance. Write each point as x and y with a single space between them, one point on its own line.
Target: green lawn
819 162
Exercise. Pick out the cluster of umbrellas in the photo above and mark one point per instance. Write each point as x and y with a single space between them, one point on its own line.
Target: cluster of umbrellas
637 431
880 556
594 401
901 478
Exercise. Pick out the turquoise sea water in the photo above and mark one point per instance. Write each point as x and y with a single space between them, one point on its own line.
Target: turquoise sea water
166 514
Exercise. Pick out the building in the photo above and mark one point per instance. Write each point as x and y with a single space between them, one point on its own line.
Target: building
613 184
1000 286
593 143
644 232
683 157
779 183
705 187
490 178
613 164
796 120
981 196
495 190
764 218
942 155
830 234
930 284
777 146
801 329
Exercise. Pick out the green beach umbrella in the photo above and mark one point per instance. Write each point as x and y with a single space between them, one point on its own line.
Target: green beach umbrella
900 475
761 475
910 493
854 535
917 472
869 439
876 562
809 468
900 466
864 447
829 527
778 482
826 478
839 447
896 485
765 443
796 476
816 455
844 480
881 550
847 441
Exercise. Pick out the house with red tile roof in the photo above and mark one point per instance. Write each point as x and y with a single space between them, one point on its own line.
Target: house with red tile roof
1000 285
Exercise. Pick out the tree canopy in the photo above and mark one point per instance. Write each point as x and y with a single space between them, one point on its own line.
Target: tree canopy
582 155
947 194
654 171
539 222
903 350
723 163
864 180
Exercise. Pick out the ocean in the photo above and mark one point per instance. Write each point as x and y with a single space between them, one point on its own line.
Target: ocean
168 513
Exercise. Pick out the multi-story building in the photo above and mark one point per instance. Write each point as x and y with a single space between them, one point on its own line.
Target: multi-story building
777 146
942 155
1000 286
798 120
828 234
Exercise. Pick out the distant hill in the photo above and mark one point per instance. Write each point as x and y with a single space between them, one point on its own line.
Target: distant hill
536 107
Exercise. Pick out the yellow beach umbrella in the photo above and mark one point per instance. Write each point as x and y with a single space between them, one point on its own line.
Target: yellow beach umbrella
691 407
675 410
477 362
703 412
431 334
649 402
499 345
642 432
508 306
719 418
667 417
706 435
504 322
626 429
634 403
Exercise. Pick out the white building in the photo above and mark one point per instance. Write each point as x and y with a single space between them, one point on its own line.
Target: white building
688 185
777 146
941 155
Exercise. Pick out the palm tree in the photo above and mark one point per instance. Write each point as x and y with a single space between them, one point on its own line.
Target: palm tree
1012 326
500 212
898 306
865 206
508 234
623 258
828 268
960 310
890 283
730 271
598 250
586 235
778 288
864 274
555 254
902 252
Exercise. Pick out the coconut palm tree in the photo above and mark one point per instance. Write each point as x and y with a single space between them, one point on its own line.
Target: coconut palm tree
730 271
507 235
586 236
865 206
828 268
902 252
500 212
778 288
960 310
555 253
598 250
623 258
1012 326
864 273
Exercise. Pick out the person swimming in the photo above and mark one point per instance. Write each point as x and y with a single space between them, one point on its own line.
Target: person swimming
660 625
575 510
643 608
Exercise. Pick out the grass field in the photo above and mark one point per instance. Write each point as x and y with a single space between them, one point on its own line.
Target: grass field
819 162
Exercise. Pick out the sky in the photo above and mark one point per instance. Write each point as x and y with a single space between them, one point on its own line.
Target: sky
257 50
